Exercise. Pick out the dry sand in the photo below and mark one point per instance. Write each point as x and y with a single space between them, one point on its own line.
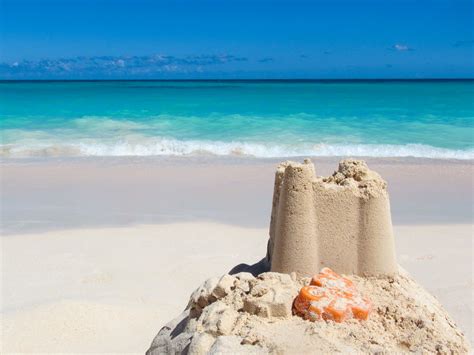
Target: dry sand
112 289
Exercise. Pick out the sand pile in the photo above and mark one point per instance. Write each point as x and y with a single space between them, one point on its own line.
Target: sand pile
342 222
243 313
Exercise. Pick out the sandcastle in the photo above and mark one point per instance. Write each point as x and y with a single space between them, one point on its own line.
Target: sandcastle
342 221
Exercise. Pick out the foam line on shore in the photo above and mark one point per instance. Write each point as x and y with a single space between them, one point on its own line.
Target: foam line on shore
155 146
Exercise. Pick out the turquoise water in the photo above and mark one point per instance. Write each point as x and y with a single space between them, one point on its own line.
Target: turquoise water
432 119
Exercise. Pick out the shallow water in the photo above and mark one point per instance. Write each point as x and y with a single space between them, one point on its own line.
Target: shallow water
433 119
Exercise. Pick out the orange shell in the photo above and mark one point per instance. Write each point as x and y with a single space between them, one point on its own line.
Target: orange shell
331 297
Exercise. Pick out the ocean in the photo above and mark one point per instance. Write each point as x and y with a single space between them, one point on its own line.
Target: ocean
430 119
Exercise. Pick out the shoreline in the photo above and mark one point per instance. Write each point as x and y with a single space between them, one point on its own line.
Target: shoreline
222 159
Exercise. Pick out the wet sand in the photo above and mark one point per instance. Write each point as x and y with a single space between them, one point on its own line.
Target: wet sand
94 192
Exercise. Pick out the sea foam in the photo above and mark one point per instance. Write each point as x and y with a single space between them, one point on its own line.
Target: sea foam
153 146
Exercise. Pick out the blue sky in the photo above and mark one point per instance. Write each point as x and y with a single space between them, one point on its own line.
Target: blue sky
101 39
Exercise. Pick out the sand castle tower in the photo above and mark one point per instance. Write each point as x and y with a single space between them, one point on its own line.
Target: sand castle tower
342 221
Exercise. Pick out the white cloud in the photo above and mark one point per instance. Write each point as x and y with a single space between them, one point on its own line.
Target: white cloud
116 65
401 47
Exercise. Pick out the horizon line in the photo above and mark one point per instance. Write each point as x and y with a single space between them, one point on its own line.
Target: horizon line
249 80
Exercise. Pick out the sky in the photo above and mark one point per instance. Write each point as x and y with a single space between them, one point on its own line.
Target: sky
229 39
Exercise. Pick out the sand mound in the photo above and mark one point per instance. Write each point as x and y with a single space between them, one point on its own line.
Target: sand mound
242 313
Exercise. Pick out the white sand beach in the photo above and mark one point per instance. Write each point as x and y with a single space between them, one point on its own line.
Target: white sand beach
96 258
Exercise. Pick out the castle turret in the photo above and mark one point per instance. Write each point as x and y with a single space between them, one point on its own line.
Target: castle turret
295 221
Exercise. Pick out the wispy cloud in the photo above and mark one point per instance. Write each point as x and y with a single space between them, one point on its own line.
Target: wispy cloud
468 43
111 66
266 60
401 47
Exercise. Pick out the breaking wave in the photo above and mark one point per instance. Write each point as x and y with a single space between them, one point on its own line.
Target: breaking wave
152 146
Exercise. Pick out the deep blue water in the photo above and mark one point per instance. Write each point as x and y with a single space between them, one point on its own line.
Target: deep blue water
265 119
